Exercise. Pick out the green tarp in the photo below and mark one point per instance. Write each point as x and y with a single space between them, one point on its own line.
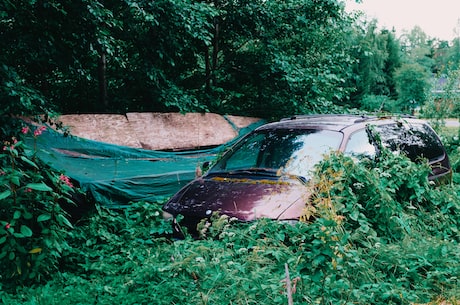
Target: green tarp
117 175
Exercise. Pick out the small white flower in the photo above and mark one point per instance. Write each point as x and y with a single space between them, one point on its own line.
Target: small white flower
215 260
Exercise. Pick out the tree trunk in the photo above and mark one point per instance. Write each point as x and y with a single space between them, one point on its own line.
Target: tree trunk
215 50
102 81
208 68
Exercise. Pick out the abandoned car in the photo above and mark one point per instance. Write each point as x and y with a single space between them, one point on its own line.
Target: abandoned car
265 174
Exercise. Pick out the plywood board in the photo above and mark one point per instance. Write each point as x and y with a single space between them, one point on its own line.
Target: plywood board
157 131
109 128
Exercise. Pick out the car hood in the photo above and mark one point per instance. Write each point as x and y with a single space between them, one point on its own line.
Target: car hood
245 199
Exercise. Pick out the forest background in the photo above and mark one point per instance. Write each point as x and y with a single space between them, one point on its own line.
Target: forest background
255 58
259 58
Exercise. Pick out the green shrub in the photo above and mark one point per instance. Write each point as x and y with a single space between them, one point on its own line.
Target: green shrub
33 226
400 230
452 144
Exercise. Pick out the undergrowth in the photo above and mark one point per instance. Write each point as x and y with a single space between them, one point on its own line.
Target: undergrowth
374 233
33 224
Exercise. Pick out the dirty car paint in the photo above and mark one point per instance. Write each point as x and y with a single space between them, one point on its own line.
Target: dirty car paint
245 199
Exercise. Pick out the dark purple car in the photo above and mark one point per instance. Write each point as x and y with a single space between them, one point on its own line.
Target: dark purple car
265 174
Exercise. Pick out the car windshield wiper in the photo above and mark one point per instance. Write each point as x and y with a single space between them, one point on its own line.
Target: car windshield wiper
255 171
269 172
262 172
301 179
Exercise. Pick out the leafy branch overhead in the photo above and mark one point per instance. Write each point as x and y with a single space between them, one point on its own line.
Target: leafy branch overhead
261 58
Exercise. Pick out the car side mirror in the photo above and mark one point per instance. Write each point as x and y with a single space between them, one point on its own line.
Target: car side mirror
206 165
203 168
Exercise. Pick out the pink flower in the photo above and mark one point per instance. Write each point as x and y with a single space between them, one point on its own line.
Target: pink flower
66 180
25 129
39 131
8 146
7 226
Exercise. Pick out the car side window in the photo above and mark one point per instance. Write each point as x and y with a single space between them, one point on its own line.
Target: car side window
359 146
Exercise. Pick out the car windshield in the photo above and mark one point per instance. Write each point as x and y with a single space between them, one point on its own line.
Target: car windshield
279 152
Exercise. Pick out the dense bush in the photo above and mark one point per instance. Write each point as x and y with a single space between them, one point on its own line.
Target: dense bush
33 226
375 233
388 200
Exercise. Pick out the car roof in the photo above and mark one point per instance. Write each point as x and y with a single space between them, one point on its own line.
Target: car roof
335 122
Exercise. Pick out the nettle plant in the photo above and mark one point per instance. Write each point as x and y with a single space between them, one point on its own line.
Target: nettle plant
33 226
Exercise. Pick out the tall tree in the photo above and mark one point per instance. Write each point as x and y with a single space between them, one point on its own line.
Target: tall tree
54 47
453 55
418 47
413 85
378 56
441 57
281 57
392 63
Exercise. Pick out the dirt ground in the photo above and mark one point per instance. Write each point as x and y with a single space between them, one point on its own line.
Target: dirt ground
157 131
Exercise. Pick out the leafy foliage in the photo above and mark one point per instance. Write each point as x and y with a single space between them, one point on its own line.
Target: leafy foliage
413 85
378 57
390 199
444 100
283 57
450 139
34 227
377 233
262 58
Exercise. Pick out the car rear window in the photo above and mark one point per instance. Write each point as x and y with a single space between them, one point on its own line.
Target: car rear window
415 140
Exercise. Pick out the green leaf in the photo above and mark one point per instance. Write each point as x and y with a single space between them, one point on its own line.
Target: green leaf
44 217
26 231
15 180
17 215
64 221
29 162
39 187
354 215
2 240
5 194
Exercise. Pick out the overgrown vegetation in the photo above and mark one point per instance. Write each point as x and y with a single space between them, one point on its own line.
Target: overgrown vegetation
374 233
34 226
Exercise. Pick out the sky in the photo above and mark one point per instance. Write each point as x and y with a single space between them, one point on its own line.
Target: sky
437 18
